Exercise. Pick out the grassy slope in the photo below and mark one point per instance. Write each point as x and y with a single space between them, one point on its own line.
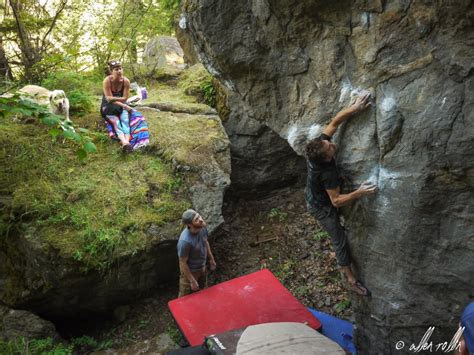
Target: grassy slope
91 210
97 210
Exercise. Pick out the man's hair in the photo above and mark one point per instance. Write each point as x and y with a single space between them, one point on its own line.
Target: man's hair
315 150
188 216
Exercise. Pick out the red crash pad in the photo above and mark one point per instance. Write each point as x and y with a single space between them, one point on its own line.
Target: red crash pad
252 299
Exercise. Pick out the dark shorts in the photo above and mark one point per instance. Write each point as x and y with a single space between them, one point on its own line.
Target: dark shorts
108 109
328 217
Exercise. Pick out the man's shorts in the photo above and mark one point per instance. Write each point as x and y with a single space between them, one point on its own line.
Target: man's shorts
185 285
328 217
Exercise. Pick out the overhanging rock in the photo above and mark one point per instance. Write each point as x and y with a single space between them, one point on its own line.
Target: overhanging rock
296 64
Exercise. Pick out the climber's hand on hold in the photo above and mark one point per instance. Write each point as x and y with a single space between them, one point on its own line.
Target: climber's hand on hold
367 188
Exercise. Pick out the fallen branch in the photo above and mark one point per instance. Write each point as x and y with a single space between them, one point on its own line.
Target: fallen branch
254 244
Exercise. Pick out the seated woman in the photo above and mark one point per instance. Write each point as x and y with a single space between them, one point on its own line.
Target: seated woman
114 108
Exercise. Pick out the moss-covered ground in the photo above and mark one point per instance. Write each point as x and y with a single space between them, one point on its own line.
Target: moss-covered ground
93 210
98 209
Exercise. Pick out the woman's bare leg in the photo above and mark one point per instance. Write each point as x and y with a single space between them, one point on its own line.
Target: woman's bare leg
114 120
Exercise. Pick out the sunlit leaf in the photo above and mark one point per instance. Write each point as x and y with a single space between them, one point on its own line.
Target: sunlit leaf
50 120
70 134
55 132
81 154
90 147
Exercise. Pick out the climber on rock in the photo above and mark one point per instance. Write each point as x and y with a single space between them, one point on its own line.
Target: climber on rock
323 189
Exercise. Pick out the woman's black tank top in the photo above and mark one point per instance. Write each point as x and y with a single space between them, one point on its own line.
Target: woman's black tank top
118 93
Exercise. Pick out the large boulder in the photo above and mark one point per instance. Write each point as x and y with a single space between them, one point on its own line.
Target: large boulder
83 238
17 323
294 65
161 51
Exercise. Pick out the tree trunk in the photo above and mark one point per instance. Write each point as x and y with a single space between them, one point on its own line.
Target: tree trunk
29 54
133 52
5 70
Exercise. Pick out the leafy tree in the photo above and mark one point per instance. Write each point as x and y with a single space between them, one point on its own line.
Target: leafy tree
37 36
28 25
45 41
127 26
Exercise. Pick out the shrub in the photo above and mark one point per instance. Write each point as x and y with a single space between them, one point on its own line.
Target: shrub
196 81
209 93
80 89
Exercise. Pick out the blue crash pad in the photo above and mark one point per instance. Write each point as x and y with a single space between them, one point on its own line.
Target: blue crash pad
336 329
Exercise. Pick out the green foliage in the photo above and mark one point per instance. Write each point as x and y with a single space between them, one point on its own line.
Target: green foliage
80 89
197 81
209 92
174 333
275 213
14 105
342 305
85 344
301 291
120 29
23 346
143 323
282 270
321 235
66 35
93 212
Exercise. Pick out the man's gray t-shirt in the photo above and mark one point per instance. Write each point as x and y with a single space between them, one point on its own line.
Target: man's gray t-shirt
194 247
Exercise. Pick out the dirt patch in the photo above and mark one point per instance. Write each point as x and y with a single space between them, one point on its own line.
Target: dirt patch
274 232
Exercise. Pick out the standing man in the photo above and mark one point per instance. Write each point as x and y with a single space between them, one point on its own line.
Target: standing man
193 250
323 190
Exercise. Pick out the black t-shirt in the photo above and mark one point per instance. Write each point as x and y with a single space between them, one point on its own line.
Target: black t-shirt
322 175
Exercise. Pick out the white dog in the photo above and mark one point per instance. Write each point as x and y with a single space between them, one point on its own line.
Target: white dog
56 101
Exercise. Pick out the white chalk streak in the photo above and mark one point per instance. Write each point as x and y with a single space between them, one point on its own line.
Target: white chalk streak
388 104
298 137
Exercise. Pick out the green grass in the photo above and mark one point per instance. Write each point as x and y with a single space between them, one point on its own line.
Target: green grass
277 214
101 208
342 305
193 79
22 346
80 345
321 235
193 89
188 139
94 211
159 92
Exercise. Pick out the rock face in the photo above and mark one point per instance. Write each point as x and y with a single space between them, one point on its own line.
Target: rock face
190 55
294 65
16 323
261 159
54 286
161 51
